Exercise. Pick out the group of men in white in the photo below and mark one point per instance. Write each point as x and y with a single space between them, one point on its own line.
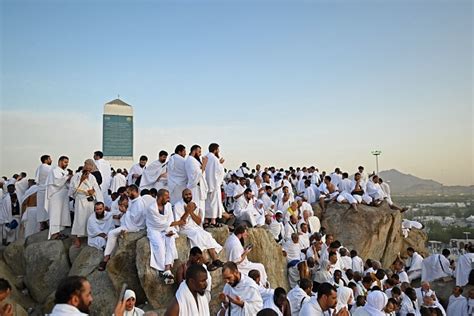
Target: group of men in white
185 194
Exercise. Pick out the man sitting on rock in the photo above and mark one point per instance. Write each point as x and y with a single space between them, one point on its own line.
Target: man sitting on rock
98 226
414 264
329 193
191 215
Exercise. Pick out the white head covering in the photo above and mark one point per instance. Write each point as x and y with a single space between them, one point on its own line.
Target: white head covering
323 275
376 301
129 294
343 295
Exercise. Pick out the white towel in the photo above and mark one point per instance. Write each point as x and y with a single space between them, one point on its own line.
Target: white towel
187 303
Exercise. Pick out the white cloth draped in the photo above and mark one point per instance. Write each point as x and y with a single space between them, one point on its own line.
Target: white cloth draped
82 207
137 170
434 267
98 226
41 176
187 303
297 297
463 268
118 181
214 177
134 218
197 236
106 173
311 308
196 181
457 306
57 200
150 176
234 251
177 178
247 290
163 248
66 310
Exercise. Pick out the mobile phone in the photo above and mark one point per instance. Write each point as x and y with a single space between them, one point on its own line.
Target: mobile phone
249 246
122 292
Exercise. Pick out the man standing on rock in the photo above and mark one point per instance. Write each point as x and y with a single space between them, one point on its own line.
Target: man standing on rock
40 177
57 200
191 296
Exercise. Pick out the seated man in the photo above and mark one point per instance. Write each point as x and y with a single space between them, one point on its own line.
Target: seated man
424 290
195 257
99 225
313 222
291 227
161 231
245 210
191 296
191 215
238 254
300 295
414 264
292 249
240 296
133 221
275 225
328 191
265 292
345 189
359 190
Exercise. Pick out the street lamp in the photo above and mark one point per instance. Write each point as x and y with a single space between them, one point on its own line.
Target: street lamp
376 153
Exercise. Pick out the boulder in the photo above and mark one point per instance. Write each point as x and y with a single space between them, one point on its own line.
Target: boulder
46 265
87 261
104 293
375 232
122 268
16 297
13 255
416 239
74 251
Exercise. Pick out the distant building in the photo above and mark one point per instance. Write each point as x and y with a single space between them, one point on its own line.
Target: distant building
117 133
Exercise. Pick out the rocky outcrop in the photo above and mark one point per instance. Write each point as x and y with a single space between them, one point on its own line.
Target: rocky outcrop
416 239
375 232
86 261
13 256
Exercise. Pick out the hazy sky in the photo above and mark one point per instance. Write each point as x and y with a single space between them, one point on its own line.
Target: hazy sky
278 82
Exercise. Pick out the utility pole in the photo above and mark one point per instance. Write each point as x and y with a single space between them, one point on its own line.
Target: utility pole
376 153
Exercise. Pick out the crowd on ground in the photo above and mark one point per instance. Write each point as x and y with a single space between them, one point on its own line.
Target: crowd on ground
186 195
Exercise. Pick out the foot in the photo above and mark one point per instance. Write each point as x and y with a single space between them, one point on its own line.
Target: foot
77 243
168 277
102 265
218 263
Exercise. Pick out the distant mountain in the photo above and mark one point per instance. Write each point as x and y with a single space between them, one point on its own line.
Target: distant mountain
407 184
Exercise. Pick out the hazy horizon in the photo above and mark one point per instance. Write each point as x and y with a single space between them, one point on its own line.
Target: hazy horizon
273 82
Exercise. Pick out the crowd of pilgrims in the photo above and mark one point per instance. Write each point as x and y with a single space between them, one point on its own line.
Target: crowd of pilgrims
188 195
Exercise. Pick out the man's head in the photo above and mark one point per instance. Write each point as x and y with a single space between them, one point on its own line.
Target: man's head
99 209
327 180
162 155
5 289
353 253
214 148
63 162
98 155
446 252
241 231
471 294
180 150
306 285
279 297
195 256
143 160
195 151
231 274
46 159
279 216
196 279
187 196
75 291
11 188
457 291
333 257
327 296
425 285
428 300
410 251
130 299
391 306
411 293
295 238
248 194
163 197
304 227
254 275
337 275
133 191
293 219
123 203
88 166
329 239
367 282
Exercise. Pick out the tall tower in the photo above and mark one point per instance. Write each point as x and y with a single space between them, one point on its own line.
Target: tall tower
117 133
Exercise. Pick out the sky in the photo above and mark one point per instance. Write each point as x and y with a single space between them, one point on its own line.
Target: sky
283 83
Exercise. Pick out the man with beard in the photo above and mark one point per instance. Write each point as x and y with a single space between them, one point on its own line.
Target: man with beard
73 297
136 171
41 175
240 296
187 211
155 176
195 169
190 298
98 226
214 177
177 178
322 303
161 231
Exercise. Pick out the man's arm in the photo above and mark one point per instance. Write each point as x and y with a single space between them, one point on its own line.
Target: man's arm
173 308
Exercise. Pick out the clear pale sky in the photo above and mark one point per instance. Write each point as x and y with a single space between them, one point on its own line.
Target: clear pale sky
278 82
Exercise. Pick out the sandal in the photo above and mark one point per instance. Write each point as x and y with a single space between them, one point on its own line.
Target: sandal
205 225
102 265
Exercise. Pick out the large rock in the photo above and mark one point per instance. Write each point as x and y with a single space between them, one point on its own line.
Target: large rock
105 295
122 268
416 239
87 261
46 265
13 255
16 296
375 232
159 294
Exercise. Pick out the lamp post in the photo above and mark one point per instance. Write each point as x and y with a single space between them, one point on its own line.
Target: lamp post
376 153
